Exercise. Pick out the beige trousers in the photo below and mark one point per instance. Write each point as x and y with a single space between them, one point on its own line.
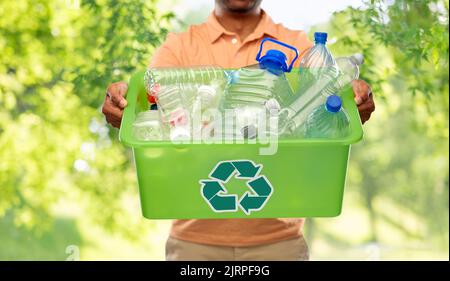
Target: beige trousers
293 250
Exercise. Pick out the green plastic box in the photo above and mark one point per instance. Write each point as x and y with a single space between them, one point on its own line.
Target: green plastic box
305 178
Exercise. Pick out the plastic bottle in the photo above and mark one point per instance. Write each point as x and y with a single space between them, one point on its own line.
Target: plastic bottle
318 60
318 65
318 72
348 71
255 85
187 79
147 126
328 120
196 75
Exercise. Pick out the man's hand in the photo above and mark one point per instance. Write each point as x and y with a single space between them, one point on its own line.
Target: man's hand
363 99
115 103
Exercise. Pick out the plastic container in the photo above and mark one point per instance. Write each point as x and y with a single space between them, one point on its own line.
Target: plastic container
172 177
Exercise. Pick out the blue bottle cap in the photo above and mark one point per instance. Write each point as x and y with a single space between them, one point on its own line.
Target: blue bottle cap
320 37
274 61
333 104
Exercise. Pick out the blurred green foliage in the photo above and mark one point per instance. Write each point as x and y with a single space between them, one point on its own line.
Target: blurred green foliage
404 156
57 59
64 177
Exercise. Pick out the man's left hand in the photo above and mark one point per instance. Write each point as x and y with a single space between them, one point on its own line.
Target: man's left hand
363 99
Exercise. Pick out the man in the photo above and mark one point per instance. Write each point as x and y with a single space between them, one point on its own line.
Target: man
230 38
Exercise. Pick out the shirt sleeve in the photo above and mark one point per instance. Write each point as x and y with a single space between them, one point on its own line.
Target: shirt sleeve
169 53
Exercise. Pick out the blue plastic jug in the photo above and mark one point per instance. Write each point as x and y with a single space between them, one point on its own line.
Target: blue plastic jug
259 88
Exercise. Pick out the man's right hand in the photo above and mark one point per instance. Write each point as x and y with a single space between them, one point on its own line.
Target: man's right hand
115 103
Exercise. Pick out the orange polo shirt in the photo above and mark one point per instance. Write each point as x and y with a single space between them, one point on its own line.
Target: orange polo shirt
210 44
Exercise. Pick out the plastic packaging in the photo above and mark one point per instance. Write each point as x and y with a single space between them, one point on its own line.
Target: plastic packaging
329 120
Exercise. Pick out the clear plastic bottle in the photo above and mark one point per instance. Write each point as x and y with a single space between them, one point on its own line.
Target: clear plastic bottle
318 65
187 79
348 71
318 72
196 75
328 120
318 59
147 126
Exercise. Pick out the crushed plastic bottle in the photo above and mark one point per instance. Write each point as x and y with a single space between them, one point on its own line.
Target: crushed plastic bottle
328 120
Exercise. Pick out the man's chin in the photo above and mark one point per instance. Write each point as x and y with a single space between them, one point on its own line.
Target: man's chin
240 6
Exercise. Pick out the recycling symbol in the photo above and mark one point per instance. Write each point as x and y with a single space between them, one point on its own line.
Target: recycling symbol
216 195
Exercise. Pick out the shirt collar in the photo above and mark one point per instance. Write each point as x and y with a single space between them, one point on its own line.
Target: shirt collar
265 26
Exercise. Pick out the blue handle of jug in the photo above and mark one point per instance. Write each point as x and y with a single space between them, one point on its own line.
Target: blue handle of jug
258 56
